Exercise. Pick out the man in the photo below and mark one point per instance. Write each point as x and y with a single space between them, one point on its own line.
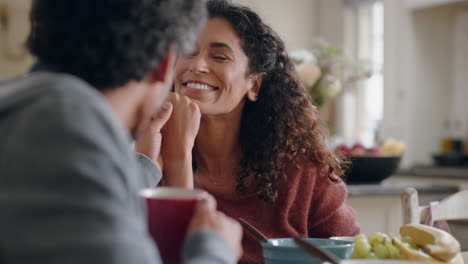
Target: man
68 180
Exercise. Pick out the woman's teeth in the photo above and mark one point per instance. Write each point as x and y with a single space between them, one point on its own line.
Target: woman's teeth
199 86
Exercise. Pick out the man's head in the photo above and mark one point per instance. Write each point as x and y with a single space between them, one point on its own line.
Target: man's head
109 43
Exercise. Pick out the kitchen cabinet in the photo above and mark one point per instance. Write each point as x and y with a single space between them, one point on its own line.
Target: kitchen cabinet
420 4
377 213
378 206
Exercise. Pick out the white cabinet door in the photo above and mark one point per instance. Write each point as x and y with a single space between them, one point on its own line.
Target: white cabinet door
419 4
378 213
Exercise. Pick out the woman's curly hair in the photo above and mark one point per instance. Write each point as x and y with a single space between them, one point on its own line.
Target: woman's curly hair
282 126
110 42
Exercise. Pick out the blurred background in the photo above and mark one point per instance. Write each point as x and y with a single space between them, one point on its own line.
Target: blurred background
390 78
413 54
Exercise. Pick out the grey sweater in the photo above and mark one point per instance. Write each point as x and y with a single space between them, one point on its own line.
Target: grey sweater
69 182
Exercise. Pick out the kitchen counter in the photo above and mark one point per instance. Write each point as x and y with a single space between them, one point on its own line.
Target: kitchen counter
410 179
436 172
395 189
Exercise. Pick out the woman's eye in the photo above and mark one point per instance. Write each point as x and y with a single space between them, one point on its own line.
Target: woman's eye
220 58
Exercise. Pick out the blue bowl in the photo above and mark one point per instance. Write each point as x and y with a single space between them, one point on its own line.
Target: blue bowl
285 250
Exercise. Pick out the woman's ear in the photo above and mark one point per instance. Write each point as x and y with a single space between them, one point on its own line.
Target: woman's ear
254 91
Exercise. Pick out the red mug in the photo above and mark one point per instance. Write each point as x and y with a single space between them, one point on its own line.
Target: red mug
169 212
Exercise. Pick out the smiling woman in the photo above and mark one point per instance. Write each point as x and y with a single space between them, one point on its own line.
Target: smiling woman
215 76
260 149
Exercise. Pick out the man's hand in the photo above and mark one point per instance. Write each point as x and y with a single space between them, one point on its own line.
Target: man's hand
206 216
151 140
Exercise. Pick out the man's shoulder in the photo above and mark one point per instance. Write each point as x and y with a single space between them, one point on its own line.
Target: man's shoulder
55 95
57 102
26 89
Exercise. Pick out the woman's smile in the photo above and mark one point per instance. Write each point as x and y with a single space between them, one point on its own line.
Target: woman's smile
198 87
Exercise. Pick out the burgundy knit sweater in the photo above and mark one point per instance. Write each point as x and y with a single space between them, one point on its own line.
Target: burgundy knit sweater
308 204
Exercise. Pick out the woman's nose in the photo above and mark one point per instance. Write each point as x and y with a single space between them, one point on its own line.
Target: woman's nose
199 64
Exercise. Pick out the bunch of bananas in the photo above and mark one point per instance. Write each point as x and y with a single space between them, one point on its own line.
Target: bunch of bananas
419 243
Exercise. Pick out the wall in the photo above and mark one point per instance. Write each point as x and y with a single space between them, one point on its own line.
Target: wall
331 21
297 25
433 80
13 57
296 21
459 112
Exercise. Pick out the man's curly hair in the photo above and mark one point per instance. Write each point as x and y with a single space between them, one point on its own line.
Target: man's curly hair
110 42
281 128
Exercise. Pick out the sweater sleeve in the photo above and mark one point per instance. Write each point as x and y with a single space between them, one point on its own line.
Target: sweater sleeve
207 247
150 172
329 215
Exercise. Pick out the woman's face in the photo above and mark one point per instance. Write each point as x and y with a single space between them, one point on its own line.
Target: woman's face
215 75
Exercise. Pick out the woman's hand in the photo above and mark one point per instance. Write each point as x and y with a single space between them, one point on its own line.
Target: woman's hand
180 131
179 135
149 143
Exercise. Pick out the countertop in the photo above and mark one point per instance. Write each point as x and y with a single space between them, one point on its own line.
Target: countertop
436 172
395 189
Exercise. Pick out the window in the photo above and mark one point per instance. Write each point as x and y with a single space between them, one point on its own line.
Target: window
360 108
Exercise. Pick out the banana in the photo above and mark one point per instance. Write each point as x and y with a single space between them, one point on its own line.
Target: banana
413 254
433 241
458 259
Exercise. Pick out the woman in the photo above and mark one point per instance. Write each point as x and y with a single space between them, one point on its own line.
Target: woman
260 147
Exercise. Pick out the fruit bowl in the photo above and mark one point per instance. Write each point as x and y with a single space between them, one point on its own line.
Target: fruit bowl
371 169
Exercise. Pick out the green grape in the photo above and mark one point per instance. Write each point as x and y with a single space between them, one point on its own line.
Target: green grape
362 248
381 251
393 251
409 241
372 256
355 255
378 238
360 236
387 240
